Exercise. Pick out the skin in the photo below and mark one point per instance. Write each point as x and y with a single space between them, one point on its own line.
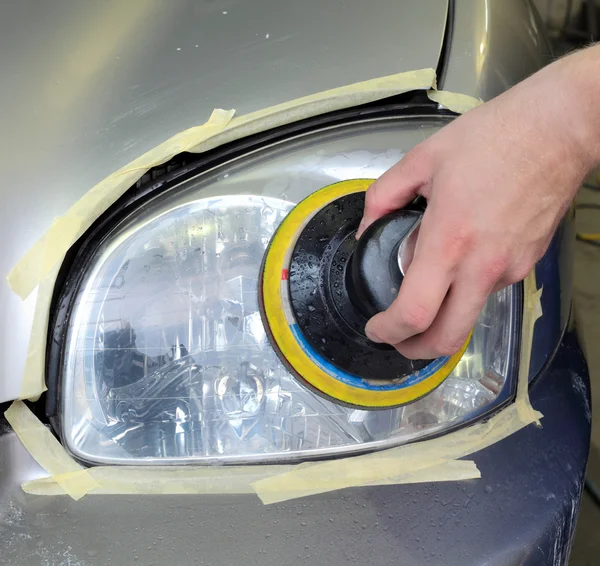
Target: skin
497 180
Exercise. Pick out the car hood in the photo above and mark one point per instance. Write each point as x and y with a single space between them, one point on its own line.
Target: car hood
90 86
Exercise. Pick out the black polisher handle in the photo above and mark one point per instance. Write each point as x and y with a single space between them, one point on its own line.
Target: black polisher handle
374 277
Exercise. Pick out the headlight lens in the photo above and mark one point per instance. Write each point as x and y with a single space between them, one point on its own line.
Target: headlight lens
166 358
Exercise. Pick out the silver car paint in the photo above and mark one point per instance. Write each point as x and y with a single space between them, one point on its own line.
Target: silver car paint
92 85
89 86
494 46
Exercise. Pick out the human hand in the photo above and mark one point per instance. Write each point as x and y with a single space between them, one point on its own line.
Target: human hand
497 180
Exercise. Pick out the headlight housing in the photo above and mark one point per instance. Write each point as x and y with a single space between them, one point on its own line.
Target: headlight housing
165 358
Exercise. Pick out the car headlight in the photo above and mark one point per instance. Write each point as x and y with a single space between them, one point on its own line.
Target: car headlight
165 358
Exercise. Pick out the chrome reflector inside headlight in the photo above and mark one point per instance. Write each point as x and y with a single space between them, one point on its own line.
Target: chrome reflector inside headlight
166 358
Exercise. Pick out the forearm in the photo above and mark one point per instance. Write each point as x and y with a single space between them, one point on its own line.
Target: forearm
574 104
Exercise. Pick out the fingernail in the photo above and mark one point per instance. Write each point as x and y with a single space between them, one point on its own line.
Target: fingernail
371 336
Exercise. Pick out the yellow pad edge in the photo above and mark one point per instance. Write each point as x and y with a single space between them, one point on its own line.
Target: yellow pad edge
282 335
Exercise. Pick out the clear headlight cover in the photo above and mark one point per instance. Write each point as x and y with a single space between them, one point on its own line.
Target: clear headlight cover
166 358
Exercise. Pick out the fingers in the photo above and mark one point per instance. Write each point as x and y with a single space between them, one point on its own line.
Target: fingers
443 292
421 294
396 187
454 321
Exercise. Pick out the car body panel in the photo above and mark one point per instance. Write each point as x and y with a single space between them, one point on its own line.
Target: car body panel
494 46
90 86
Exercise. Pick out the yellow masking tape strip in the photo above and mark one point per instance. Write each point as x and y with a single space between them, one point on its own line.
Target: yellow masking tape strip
532 311
459 103
37 263
451 470
164 480
430 460
48 451
33 383
41 259
317 477
113 480
41 263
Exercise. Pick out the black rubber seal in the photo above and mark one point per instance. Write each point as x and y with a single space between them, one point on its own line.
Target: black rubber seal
179 169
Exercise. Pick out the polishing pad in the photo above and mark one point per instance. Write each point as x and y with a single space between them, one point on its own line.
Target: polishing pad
315 316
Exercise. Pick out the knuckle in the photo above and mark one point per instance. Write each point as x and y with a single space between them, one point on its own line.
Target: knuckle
519 272
540 253
459 241
416 317
407 351
419 153
371 191
495 268
373 195
501 284
449 347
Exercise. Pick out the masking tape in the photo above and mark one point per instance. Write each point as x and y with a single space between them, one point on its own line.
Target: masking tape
33 383
459 103
452 470
317 477
48 451
409 460
429 460
40 265
436 459
113 480
49 250
221 128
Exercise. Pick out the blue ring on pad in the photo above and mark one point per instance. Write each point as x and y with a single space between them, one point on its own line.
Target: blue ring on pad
359 382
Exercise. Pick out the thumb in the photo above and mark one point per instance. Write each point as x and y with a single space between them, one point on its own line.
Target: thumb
396 187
